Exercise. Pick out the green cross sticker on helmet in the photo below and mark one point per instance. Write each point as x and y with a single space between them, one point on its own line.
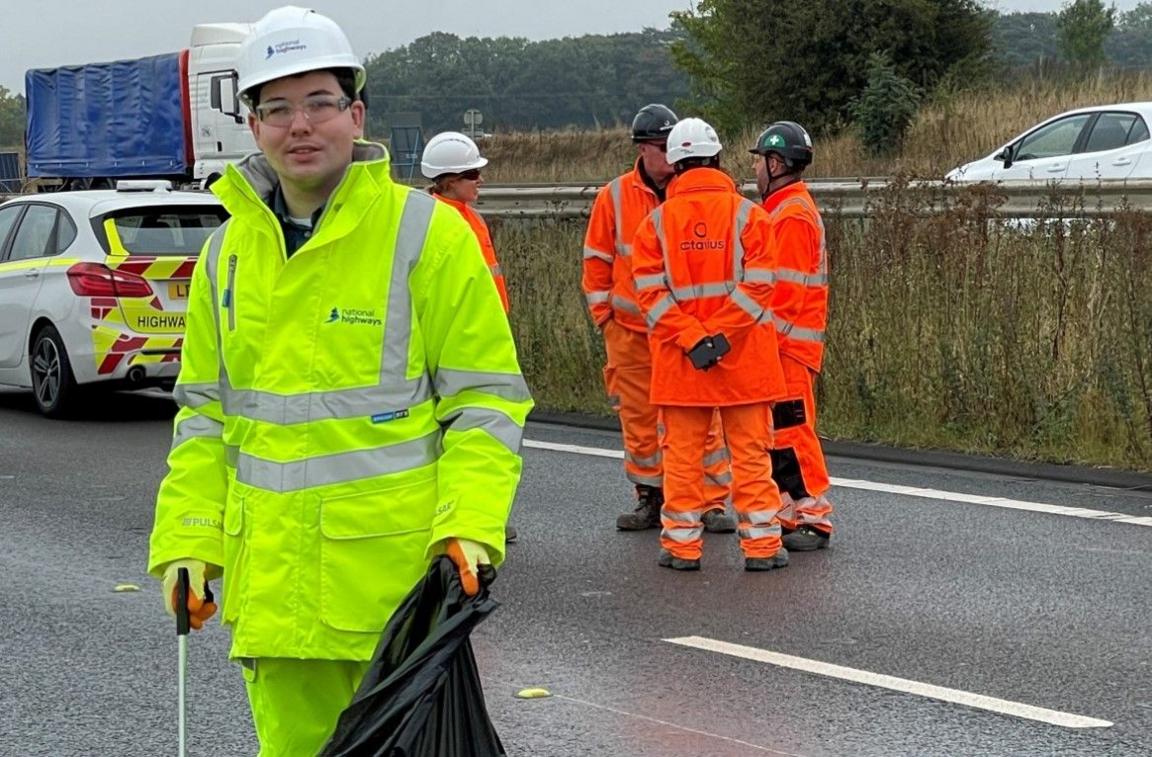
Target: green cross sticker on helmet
787 139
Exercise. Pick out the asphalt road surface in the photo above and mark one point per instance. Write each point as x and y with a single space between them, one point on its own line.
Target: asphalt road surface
955 614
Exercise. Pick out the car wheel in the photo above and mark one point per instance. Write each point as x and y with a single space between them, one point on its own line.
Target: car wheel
53 384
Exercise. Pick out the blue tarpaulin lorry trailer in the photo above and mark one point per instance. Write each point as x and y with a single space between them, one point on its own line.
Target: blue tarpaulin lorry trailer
174 116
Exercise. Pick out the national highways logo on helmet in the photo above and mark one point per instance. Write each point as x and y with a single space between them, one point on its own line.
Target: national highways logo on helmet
285 47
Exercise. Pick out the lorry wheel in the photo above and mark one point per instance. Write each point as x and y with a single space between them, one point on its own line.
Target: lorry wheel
57 393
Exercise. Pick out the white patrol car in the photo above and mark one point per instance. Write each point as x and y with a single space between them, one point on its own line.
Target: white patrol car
94 287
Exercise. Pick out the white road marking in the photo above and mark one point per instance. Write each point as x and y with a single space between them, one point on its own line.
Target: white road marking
911 491
968 699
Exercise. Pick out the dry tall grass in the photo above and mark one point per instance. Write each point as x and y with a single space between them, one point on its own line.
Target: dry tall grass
951 331
947 132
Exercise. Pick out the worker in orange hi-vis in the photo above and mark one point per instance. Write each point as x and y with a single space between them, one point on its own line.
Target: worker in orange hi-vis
704 269
453 162
619 208
800 306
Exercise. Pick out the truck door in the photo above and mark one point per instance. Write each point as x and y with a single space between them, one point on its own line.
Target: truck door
220 127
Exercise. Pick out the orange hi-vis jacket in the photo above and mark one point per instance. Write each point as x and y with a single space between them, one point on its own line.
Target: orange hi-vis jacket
480 229
619 208
801 300
704 264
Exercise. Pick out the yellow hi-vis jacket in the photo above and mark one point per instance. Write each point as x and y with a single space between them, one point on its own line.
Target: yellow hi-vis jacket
341 411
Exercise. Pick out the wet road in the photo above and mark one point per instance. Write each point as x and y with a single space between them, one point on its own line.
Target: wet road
1043 614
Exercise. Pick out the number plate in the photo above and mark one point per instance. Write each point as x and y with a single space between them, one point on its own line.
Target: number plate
178 290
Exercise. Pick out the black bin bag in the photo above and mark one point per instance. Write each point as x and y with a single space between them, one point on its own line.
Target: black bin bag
421 696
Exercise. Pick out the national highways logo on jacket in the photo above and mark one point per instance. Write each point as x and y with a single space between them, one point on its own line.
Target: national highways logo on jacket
355 317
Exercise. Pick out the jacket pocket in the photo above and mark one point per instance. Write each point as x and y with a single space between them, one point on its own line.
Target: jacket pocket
235 549
372 552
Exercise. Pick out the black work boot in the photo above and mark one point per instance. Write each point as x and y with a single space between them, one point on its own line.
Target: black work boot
667 560
778 560
649 499
805 539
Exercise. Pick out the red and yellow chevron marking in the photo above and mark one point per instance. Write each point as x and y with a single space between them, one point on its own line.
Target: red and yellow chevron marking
113 346
126 325
154 268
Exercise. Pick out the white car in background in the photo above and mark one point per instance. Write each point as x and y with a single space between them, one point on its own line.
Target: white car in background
94 287
1086 144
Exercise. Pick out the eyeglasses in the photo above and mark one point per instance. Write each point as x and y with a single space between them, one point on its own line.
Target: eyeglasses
316 109
471 175
661 146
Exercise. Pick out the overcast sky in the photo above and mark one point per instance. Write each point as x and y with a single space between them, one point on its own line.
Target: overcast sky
47 33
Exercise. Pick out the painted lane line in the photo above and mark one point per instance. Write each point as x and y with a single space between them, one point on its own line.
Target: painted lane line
910 491
955 696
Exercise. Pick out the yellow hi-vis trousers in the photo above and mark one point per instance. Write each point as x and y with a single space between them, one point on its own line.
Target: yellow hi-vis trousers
296 703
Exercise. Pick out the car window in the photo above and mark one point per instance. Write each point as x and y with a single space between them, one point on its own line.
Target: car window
8 217
36 235
1110 131
1055 139
1139 132
65 232
162 230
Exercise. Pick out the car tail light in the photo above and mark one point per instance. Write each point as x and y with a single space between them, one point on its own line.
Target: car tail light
96 280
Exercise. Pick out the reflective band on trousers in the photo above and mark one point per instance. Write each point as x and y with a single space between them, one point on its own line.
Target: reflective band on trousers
338 468
722 480
596 298
682 535
719 455
691 517
758 533
644 462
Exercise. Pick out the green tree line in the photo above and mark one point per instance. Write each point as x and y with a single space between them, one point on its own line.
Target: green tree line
830 63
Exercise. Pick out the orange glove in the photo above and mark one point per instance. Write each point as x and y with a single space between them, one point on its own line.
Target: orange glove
472 562
200 604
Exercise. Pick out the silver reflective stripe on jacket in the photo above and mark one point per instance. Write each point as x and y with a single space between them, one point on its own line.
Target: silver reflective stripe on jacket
728 288
197 426
394 389
337 468
616 189
591 253
791 275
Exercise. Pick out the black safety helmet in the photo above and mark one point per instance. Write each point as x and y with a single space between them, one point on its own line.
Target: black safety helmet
787 139
653 123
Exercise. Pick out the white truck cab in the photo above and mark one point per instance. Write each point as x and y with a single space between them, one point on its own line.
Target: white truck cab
220 133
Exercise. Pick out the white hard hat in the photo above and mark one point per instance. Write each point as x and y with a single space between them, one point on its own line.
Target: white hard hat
450 152
692 138
291 40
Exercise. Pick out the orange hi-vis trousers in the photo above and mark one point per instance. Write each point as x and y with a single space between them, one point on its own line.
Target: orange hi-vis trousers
754 495
797 460
627 377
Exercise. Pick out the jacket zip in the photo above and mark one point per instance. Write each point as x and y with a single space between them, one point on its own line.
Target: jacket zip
230 288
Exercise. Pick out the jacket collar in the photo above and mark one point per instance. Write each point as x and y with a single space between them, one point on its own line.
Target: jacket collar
247 186
701 180
774 200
